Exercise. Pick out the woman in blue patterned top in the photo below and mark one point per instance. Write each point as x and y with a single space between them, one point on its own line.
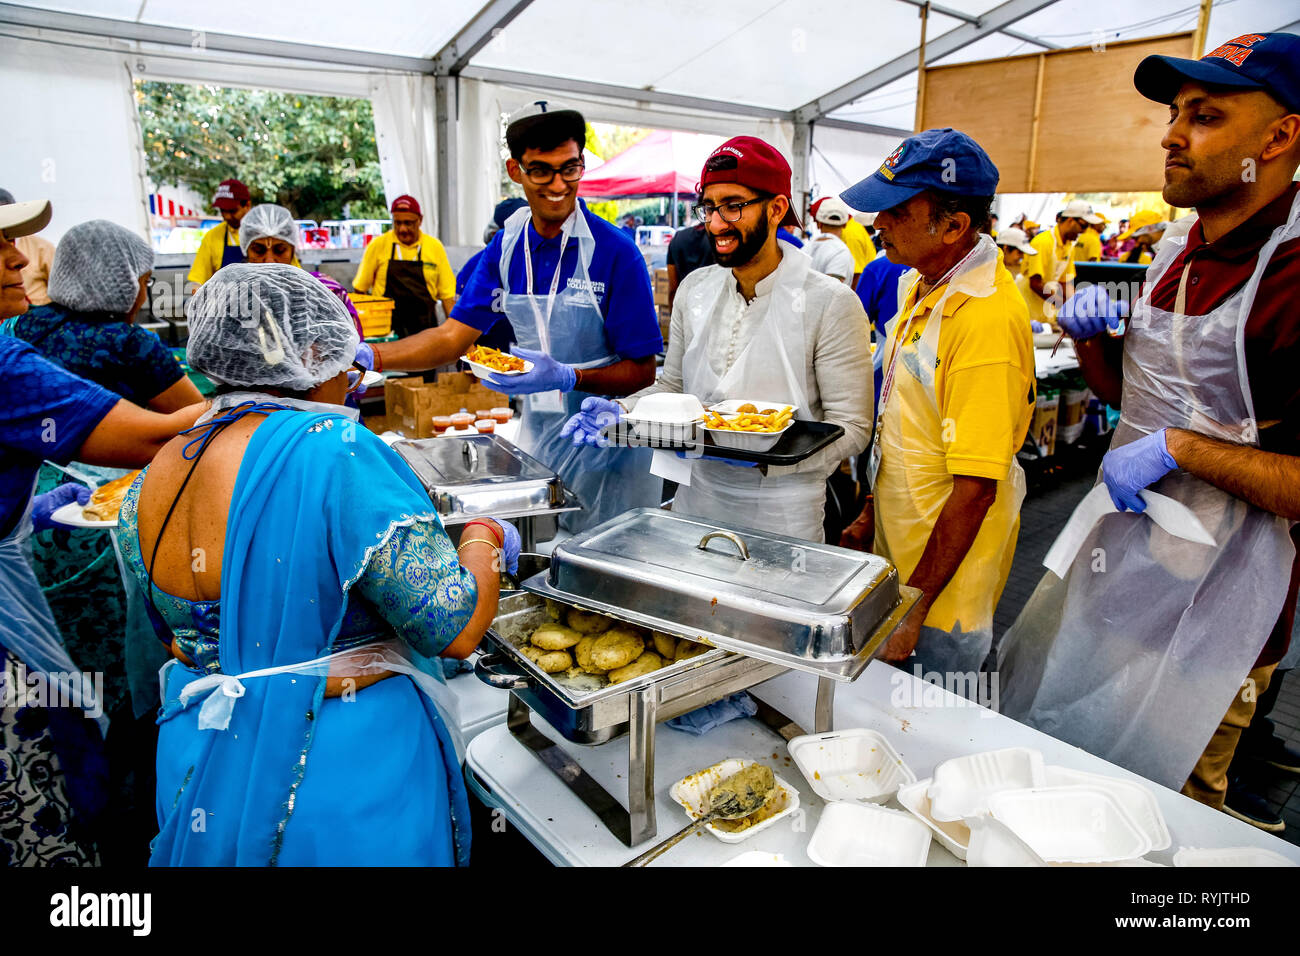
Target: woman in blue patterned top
306 587
98 282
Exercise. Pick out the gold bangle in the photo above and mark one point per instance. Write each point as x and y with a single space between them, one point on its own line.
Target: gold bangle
466 544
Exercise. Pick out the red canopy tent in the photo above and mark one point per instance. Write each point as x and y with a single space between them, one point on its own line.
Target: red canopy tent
665 163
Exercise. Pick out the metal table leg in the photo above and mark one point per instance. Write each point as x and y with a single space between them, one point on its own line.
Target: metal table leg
527 534
824 718
641 765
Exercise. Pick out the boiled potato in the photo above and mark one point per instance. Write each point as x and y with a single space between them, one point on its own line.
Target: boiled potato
687 649
664 645
530 652
647 662
555 637
617 647
553 662
582 654
589 622
554 610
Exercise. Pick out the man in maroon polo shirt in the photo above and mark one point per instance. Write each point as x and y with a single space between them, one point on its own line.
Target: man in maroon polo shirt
1138 650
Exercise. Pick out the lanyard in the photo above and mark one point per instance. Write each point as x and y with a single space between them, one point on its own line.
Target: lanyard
543 333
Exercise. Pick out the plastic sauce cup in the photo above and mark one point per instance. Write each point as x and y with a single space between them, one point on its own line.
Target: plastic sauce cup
486 426
501 415
462 420
441 423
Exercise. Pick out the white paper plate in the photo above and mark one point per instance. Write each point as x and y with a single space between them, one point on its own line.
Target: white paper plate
962 786
863 834
70 515
692 795
855 765
482 371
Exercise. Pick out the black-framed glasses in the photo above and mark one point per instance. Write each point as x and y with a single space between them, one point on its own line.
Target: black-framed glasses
539 174
729 211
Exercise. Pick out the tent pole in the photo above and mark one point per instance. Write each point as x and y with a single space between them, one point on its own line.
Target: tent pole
673 220
920 69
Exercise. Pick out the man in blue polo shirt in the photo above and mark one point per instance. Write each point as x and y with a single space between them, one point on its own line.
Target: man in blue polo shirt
576 292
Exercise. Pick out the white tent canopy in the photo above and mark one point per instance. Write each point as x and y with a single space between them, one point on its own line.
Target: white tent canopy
830 82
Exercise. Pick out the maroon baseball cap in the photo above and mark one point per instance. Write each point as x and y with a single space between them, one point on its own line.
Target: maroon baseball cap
749 161
231 194
406 204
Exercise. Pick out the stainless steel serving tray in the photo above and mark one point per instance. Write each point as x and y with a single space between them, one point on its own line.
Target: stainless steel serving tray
600 713
475 475
807 606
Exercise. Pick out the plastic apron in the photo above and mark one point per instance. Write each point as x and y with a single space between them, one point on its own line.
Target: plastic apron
27 627
1136 655
568 325
771 367
911 483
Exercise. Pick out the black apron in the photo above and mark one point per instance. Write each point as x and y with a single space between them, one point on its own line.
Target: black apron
230 255
413 307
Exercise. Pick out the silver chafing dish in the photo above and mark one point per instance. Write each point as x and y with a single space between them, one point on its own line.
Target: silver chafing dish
479 475
767 603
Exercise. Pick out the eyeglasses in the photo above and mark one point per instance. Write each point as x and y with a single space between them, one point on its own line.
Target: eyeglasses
356 375
729 211
539 174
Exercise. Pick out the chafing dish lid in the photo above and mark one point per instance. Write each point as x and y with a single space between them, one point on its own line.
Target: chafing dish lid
470 460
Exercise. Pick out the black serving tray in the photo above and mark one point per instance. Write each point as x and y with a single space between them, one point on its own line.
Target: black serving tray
801 441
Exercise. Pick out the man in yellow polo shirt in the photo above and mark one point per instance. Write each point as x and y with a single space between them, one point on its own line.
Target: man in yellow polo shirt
1087 248
410 267
220 245
858 240
955 404
1051 272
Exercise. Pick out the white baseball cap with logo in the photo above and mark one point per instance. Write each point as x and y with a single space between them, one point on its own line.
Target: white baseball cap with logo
833 211
1078 209
25 218
1016 239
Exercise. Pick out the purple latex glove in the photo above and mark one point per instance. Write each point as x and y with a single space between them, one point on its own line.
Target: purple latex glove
547 375
1137 465
45 505
588 426
509 550
725 461
365 356
1036 326
1088 312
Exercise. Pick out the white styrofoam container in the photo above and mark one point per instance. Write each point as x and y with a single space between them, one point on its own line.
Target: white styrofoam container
1071 824
748 441
692 795
483 371
1139 802
1229 856
993 844
954 835
731 406
666 417
864 834
759 858
962 786
857 765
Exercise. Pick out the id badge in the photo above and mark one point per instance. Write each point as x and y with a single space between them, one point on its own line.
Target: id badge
552 401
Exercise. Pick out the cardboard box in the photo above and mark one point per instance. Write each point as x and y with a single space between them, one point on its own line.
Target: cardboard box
1069 422
661 286
1043 430
412 403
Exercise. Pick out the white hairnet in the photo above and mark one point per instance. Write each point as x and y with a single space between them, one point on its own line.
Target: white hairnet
271 326
267 220
97 267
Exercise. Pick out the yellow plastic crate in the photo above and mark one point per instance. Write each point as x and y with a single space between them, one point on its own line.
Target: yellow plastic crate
376 313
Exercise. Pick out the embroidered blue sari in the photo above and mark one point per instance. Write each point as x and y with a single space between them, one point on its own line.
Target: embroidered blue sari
296 778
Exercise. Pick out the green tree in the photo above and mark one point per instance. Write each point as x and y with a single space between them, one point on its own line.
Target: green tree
311 154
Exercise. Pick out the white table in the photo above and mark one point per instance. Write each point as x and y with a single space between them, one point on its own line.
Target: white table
1065 360
926 730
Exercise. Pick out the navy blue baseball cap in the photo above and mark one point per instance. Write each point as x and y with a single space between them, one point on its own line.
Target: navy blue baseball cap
504 208
1255 61
944 160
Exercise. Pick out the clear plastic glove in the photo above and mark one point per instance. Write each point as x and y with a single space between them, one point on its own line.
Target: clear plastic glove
588 426
704 719
1088 312
510 549
547 375
1037 326
1137 465
725 461
45 505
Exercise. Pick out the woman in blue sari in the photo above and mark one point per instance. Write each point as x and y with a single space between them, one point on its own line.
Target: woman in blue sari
306 587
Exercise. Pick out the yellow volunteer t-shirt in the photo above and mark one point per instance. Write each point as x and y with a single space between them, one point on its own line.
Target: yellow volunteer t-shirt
211 249
858 240
1087 248
372 276
1055 263
984 381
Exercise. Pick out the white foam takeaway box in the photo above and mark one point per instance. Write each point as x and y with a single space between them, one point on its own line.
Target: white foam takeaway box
864 834
961 787
1070 824
855 765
